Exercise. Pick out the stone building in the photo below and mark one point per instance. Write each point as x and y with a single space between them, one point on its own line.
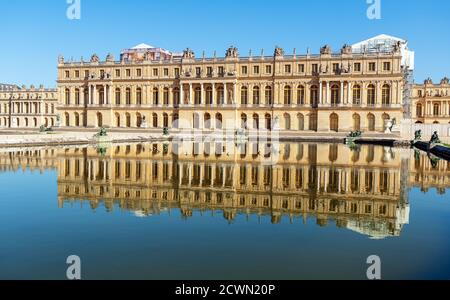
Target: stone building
356 88
22 107
431 102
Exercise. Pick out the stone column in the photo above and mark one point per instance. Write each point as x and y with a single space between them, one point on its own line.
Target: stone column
341 100
213 97
349 93
190 94
225 94
181 94
94 98
328 93
234 100
321 93
202 94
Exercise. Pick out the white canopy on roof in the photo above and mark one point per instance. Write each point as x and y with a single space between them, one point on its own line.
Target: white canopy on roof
142 46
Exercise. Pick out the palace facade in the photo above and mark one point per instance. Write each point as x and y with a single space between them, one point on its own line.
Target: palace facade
358 88
431 102
22 107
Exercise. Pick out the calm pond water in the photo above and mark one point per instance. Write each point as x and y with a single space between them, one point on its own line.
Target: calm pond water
216 211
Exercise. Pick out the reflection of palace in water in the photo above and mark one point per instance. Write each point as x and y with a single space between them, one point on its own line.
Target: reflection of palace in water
364 190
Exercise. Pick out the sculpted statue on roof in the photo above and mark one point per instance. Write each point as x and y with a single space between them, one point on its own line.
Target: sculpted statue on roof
278 51
95 58
232 52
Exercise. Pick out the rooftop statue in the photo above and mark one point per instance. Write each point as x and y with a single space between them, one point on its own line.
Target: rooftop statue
60 59
188 53
325 50
428 81
232 52
278 52
347 49
110 57
444 80
95 58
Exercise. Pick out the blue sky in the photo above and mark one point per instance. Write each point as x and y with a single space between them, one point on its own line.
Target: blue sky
34 33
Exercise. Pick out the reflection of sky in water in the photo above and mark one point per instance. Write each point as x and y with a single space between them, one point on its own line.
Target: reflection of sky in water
200 241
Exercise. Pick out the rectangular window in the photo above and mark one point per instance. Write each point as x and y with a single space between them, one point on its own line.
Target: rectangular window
287 69
357 67
244 70
166 72
128 73
221 72
177 72
315 68
387 66
67 74
102 73
256 70
198 71
155 72
268 69
335 68
77 74
138 72
117 73
301 68
209 71
372 67
86 74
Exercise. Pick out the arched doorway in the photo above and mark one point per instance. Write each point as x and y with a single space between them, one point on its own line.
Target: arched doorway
371 122
334 122
128 120
67 120
256 121
77 119
207 121
301 122
117 120
99 119
219 121
356 122
138 120
196 121
268 119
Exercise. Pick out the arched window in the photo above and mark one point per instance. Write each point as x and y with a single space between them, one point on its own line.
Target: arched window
335 95
300 95
268 95
166 96
314 95
67 119
139 96
244 95
128 96
117 92
256 95
138 120
117 120
219 121
35 122
207 121
220 96
155 120
268 119
176 97
155 96
196 121
166 120
67 96
287 95
243 121
386 95
287 121
256 121
77 119
101 97
419 110
128 120
356 94
77 97
301 122
198 95
371 95
436 109
209 95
